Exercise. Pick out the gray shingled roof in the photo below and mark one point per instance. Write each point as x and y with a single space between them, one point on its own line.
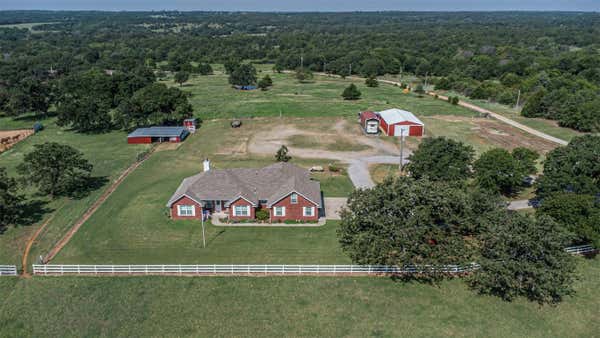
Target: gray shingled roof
270 183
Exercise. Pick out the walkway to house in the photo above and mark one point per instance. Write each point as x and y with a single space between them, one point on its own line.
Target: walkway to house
216 221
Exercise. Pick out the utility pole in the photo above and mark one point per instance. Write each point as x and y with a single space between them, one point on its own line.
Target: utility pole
426 78
302 59
350 71
518 99
203 236
401 150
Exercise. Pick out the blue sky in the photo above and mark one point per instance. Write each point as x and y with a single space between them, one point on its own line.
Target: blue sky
305 5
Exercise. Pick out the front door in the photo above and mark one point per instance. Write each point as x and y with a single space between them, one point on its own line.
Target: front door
217 206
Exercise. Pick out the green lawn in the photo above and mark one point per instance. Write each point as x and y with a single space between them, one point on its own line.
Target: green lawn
338 185
284 306
110 155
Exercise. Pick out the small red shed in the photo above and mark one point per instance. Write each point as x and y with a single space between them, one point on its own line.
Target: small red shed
190 125
398 122
370 122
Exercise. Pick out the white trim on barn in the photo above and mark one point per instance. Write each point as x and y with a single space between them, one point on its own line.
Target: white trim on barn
394 115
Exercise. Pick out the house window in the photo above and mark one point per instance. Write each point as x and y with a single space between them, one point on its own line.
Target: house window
241 210
294 198
279 211
308 211
186 210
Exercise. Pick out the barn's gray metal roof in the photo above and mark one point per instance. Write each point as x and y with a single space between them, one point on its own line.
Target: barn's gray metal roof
270 183
158 132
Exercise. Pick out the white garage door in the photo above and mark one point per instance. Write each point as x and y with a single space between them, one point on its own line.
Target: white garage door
400 130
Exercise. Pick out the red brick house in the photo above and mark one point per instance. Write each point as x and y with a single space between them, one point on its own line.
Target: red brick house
284 190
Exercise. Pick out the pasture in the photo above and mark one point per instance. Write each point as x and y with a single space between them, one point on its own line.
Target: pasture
285 306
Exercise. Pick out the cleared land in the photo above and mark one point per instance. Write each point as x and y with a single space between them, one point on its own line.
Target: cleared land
285 306
133 225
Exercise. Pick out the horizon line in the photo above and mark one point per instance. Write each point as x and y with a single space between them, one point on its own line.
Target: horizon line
305 11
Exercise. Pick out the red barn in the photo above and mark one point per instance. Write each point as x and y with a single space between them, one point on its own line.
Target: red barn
370 122
397 122
157 134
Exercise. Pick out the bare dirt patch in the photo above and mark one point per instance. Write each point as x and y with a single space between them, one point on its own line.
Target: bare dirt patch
9 138
509 137
495 133
318 138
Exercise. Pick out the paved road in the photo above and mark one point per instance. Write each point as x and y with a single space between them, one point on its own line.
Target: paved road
480 110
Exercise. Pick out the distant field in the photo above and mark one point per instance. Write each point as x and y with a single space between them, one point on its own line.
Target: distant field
109 154
284 306
28 25
213 97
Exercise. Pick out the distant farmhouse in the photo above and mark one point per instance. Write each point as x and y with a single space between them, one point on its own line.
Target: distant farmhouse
286 191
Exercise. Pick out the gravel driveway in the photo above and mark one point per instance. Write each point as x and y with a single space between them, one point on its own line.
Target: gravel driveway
333 206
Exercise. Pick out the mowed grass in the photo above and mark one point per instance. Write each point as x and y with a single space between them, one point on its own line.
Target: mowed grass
110 155
285 306
334 185
133 224
379 172
213 97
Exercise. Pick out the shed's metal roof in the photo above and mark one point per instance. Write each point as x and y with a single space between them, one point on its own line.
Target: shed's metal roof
158 132
394 115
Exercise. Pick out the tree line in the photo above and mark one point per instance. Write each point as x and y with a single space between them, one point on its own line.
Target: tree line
450 210
550 58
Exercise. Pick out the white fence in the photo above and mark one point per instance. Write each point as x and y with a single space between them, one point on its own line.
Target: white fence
213 269
8 270
581 249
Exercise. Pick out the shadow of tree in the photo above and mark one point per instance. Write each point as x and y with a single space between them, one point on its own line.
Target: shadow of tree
31 212
86 185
